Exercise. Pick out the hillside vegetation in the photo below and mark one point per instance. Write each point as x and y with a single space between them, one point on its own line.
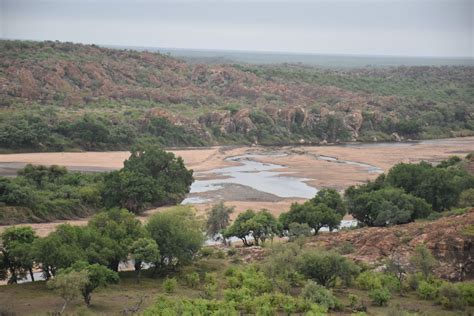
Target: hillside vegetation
63 96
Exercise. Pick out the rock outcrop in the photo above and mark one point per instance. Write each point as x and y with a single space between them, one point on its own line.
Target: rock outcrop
450 239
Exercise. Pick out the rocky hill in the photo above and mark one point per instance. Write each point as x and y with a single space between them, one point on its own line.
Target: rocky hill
55 85
450 239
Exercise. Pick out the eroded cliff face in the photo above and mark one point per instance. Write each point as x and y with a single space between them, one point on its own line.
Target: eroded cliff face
450 239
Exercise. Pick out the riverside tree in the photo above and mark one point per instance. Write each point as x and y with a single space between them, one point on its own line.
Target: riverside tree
260 226
120 228
218 219
178 233
150 177
97 274
143 251
17 252
316 216
69 286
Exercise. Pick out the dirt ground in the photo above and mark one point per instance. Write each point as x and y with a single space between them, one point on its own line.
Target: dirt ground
302 162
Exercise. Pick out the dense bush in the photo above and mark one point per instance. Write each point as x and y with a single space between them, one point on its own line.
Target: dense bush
260 226
325 267
409 192
380 296
151 177
318 294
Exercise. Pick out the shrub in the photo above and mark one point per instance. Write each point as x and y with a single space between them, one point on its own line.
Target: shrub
210 289
346 248
426 290
220 254
380 296
370 280
318 294
231 252
356 304
192 279
325 267
207 251
467 292
449 296
169 285
413 280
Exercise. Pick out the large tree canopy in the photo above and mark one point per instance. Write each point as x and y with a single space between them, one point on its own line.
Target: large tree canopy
150 177
178 234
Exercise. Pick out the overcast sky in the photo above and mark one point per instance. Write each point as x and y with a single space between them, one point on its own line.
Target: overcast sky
368 27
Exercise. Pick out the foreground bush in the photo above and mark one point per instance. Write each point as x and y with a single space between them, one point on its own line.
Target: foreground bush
380 296
318 294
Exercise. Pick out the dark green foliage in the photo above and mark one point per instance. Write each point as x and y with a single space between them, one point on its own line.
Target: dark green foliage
316 216
151 177
330 198
380 296
98 276
387 206
172 178
50 193
118 228
130 190
260 226
178 234
325 267
440 186
318 294
16 249
409 192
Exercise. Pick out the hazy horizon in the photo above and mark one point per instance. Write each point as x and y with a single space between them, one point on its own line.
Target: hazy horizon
399 28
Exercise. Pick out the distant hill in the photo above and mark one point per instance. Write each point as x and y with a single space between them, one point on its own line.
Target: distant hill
63 96
211 56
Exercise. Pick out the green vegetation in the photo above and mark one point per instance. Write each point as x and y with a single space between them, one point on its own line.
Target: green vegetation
260 226
150 177
409 192
292 278
147 98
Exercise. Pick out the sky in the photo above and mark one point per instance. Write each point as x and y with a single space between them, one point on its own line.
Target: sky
436 28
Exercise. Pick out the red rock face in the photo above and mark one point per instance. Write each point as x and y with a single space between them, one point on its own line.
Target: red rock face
447 238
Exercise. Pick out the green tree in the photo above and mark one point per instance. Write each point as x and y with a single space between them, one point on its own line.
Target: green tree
330 198
98 275
466 199
262 226
89 131
120 229
142 251
423 260
178 233
281 266
325 266
69 286
17 252
130 190
60 249
218 219
387 206
238 228
171 176
316 216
